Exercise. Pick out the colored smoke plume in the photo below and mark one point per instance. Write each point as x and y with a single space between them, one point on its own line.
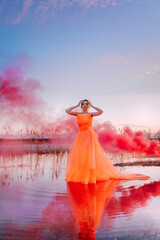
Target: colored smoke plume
128 141
18 100
17 92
21 105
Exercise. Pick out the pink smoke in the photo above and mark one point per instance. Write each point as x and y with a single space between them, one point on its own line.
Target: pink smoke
128 141
21 104
15 91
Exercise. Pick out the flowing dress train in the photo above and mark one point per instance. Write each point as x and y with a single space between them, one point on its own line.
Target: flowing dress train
88 161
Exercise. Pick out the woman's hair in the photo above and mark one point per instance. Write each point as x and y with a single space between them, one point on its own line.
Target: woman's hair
84 100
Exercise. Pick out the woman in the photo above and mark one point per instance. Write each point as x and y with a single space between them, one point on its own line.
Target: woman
87 161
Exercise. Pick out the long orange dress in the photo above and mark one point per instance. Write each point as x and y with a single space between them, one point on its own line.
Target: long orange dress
87 160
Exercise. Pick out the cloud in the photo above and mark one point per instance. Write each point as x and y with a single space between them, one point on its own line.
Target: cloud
141 72
21 10
26 7
112 59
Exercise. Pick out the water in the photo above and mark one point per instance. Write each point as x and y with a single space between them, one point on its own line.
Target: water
37 203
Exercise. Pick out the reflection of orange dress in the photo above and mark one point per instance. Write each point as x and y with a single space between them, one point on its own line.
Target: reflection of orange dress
87 161
87 203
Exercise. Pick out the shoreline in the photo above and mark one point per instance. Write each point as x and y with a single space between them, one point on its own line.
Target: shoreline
41 139
139 163
15 147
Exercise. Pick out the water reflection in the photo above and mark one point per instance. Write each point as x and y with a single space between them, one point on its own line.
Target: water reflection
30 166
132 198
90 202
37 203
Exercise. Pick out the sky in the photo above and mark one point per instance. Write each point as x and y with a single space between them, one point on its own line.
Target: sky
106 51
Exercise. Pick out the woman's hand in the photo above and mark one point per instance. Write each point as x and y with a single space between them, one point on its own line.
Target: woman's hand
79 103
99 111
90 104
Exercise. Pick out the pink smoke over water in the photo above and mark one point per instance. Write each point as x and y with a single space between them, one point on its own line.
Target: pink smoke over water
15 91
110 139
19 101
127 141
22 107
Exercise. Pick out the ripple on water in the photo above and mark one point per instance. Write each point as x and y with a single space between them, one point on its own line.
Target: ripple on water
37 203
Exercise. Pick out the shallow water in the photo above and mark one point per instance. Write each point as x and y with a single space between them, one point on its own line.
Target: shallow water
37 203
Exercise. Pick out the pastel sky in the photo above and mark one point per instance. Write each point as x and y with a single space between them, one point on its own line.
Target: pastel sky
107 51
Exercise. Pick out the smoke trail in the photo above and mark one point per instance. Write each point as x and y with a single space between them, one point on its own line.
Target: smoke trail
18 95
127 141
22 107
17 92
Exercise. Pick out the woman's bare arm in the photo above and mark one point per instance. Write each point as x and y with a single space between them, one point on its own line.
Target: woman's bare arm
99 111
69 110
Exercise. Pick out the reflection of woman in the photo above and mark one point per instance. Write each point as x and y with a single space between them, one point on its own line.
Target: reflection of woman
87 203
87 161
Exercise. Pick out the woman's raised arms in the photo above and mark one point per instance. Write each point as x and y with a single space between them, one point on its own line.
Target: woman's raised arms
85 106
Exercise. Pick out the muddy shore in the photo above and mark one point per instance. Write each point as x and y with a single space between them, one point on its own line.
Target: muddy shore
140 163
